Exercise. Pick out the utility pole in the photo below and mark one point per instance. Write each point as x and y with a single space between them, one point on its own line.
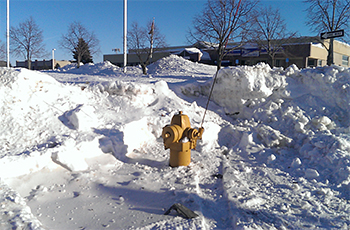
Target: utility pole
152 34
8 34
330 57
53 59
125 35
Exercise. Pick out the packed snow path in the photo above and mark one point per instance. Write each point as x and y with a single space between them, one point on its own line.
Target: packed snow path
84 151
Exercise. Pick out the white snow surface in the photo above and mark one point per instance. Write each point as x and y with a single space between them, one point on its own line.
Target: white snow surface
82 148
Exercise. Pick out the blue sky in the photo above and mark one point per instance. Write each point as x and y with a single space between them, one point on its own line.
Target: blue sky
105 18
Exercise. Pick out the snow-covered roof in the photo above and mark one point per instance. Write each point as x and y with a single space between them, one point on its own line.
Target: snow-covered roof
189 51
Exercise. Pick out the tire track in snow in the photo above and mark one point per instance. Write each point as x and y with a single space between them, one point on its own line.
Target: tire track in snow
209 193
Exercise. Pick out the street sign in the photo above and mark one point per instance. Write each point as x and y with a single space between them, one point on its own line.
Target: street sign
332 34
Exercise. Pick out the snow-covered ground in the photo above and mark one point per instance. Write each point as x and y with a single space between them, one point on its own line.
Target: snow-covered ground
82 148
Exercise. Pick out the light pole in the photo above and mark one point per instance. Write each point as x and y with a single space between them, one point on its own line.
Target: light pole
8 33
53 59
125 34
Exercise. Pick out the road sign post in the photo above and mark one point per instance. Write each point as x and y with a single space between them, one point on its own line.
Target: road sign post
331 35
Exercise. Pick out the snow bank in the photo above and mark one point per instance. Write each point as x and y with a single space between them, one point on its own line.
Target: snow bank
239 88
178 65
307 110
38 108
46 121
103 68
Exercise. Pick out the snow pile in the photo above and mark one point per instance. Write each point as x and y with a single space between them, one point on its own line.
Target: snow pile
328 86
245 90
239 88
15 214
69 67
307 110
177 65
103 68
30 105
37 115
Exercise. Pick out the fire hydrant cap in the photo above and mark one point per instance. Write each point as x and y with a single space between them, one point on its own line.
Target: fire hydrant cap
171 134
182 120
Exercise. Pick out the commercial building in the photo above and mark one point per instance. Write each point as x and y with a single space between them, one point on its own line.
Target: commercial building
302 51
133 59
43 64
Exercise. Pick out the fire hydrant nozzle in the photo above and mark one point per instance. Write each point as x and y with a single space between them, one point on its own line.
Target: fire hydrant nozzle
180 138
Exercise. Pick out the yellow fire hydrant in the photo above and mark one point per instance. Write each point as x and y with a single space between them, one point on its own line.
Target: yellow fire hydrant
180 138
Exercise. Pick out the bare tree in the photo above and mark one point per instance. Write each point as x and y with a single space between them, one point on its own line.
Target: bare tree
330 15
222 21
27 40
269 32
142 41
71 40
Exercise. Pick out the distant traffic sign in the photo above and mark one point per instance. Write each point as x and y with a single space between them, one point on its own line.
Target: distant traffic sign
332 34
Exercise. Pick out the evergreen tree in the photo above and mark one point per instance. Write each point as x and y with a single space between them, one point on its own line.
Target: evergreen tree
80 42
81 52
